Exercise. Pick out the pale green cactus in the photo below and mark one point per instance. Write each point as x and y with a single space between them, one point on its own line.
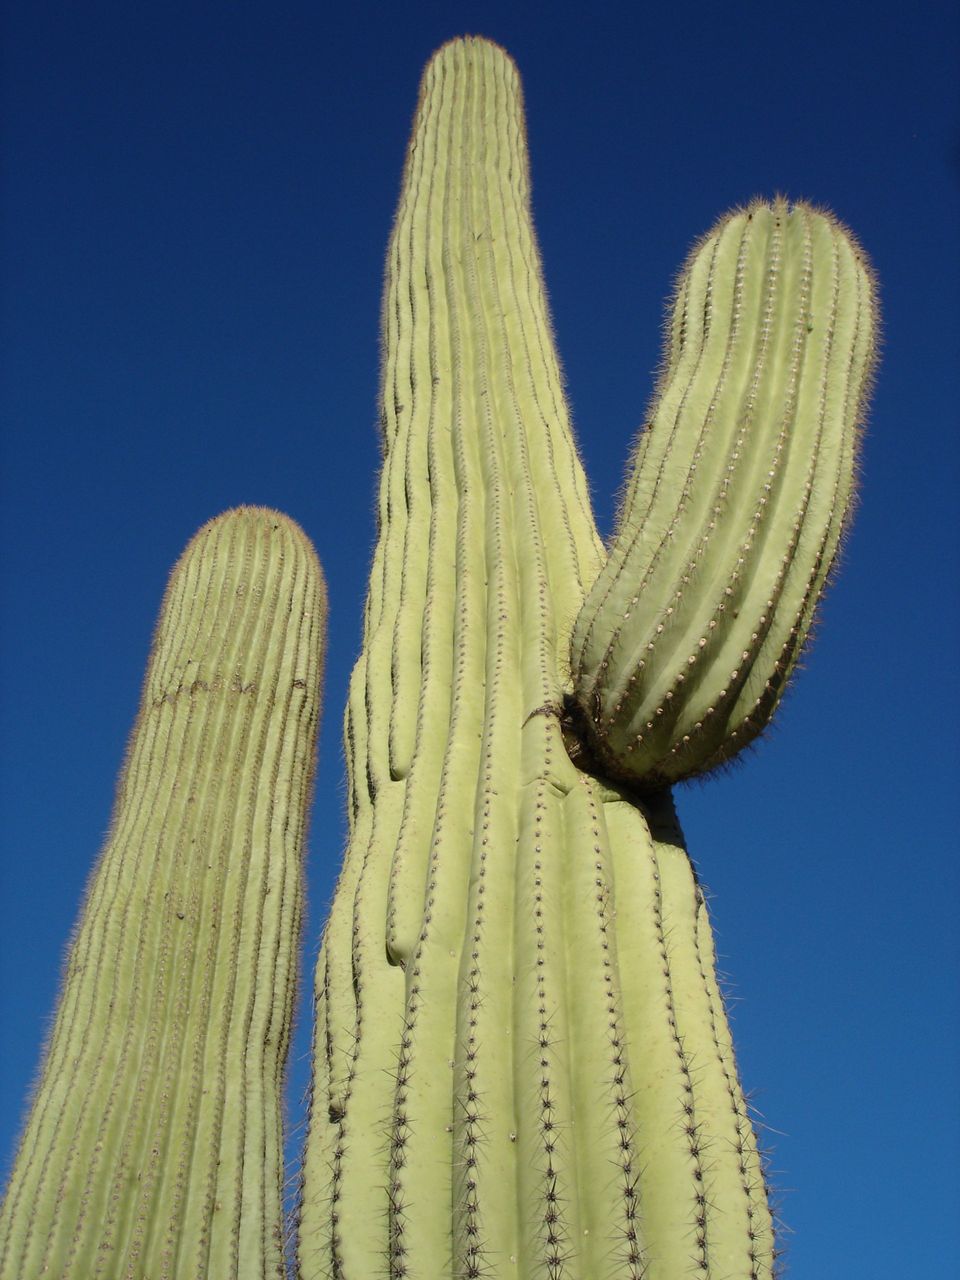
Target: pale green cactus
153 1146
522 1063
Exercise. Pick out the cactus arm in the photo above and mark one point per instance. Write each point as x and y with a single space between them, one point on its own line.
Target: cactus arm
740 487
154 1145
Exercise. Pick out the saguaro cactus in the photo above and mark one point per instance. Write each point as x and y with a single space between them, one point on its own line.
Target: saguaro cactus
153 1146
522 1062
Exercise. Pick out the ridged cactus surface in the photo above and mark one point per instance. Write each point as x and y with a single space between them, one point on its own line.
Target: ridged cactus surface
153 1147
522 1063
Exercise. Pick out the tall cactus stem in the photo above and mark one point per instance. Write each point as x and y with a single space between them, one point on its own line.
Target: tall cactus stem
523 1062
153 1146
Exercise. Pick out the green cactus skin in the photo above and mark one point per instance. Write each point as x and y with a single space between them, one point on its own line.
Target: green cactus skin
522 1063
153 1147
737 497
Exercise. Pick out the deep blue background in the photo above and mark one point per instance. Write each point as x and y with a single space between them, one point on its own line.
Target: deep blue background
196 204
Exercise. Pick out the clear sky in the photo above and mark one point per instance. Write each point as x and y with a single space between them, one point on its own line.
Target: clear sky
196 205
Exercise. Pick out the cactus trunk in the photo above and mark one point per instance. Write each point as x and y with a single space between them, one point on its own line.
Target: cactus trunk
153 1147
522 1063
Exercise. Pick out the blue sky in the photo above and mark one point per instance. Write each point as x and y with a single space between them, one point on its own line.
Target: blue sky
195 212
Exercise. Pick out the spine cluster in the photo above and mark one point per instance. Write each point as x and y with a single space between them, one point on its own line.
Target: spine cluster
153 1147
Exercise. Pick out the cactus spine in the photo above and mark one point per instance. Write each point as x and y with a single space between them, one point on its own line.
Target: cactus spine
522 1064
153 1146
